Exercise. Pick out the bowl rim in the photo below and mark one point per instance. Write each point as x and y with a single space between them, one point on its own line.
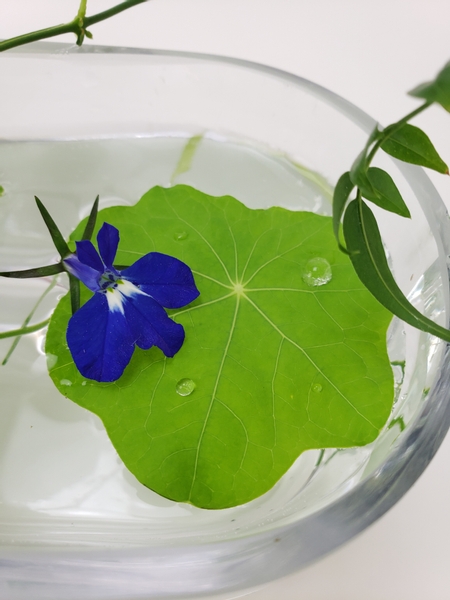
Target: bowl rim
346 516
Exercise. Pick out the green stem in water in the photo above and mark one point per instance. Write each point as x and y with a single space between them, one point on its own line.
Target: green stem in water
78 25
24 329
37 272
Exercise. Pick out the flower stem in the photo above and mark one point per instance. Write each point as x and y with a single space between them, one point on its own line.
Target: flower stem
74 293
77 26
24 329
37 272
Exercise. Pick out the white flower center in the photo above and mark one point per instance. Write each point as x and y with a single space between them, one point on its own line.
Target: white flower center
115 295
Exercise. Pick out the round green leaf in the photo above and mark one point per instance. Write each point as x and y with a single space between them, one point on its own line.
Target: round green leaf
285 351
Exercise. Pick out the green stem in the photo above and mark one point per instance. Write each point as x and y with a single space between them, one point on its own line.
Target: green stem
35 36
391 129
77 26
110 12
82 10
320 458
74 293
37 272
23 330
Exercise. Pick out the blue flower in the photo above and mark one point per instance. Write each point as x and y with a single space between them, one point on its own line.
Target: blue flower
126 309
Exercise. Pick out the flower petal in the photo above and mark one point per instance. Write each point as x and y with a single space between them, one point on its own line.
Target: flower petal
88 255
108 241
100 340
151 326
168 280
87 275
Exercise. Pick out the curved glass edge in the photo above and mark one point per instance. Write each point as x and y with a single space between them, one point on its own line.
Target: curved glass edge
358 116
240 563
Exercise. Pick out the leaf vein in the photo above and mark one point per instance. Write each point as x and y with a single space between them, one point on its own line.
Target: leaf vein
278 256
229 287
213 395
315 365
247 441
196 306
201 236
150 405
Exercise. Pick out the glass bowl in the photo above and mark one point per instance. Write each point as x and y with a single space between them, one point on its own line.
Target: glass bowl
115 122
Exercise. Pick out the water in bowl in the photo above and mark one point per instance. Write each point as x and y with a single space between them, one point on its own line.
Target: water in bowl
62 481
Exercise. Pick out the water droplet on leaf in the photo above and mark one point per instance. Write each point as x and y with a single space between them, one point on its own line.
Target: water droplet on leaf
179 236
317 272
52 359
185 387
317 388
65 382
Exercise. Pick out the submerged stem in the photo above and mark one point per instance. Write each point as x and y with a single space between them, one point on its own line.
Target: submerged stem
24 329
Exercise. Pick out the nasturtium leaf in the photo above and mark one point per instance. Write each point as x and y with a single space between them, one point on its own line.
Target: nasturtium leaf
341 195
437 90
368 256
411 144
386 193
285 351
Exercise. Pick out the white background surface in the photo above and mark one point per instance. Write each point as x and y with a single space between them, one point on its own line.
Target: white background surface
371 53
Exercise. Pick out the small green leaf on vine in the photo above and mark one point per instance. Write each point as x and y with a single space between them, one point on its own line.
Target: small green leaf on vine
437 90
368 256
411 144
341 195
386 195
